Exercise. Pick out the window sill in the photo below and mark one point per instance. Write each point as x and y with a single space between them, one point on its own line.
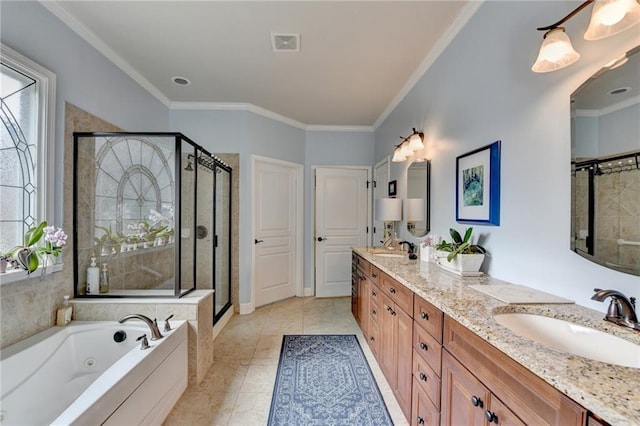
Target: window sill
14 275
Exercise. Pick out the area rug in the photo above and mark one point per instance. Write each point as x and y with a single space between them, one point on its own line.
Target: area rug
324 380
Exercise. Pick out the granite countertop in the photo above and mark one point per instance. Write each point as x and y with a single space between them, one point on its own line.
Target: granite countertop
610 391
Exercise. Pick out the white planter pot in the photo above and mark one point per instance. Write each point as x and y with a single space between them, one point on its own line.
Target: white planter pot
467 262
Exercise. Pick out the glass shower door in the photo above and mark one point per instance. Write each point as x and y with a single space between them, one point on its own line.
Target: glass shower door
222 295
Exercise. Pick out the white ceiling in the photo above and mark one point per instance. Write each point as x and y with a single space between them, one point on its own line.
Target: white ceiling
357 58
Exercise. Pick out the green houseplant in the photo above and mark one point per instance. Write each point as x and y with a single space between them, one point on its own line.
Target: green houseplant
34 251
461 253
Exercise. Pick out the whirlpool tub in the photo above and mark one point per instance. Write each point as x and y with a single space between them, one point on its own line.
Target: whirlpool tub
83 374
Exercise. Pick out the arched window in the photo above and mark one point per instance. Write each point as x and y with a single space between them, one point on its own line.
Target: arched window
27 100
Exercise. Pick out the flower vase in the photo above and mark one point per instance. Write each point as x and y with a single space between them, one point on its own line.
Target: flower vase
3 265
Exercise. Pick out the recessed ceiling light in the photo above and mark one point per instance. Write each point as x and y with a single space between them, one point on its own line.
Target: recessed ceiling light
619 90
180 81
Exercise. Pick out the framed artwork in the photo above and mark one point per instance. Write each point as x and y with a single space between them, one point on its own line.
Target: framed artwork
478 186
393 188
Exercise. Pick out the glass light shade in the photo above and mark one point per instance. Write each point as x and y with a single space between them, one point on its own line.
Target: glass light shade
556 52
610 17
415 142
405 150
397 156
415 209
388 209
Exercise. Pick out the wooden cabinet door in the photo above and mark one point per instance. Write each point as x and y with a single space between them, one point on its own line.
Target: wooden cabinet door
363 306
388 341
374 339
404 329
464 398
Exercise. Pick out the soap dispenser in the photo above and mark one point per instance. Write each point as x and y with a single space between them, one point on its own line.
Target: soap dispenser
93 278
64 312
104 279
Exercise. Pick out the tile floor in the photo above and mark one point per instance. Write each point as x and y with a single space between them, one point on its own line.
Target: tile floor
237 389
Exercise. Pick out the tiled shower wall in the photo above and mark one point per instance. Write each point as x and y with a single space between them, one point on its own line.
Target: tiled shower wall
618 217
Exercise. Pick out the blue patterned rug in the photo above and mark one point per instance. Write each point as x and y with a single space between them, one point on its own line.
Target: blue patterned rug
324 380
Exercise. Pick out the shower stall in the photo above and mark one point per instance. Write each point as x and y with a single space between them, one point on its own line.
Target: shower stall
153 212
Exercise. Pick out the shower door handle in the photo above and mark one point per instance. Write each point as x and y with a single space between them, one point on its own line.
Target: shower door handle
320 239
257 241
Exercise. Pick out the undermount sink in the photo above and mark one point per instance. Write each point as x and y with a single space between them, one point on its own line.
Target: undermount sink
388 254
576 339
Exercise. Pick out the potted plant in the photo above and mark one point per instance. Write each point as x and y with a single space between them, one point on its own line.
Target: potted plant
461 255
35 252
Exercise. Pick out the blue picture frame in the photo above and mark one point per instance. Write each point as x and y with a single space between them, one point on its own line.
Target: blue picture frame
478 186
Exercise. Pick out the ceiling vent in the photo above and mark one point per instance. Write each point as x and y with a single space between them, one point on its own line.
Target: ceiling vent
285 42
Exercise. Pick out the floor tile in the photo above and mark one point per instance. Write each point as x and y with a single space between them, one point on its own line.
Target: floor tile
237 389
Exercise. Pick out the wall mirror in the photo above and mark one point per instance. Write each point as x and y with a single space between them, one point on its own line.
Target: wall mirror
417 202
605 166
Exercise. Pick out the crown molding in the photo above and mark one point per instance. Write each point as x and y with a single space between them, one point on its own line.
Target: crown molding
337 128
90 37
461 20
608 110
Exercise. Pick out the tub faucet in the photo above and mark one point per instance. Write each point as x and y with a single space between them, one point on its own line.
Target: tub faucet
621 309
153 324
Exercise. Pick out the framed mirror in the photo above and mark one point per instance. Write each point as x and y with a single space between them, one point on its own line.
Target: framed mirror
605 166
417 203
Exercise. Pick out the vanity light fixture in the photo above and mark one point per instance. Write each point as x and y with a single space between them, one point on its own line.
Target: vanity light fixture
608 17
409 145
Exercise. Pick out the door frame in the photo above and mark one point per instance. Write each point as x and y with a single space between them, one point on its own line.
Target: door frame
387 160
299 238
313 210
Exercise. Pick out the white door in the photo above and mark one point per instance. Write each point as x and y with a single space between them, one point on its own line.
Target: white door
380 190
277 226
342 214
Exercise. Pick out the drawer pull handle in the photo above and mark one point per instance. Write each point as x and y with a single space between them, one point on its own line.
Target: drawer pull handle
420 420
424 346
373 312
374 275
423 377
476 402
424 315
392 290
491 417
373 293
371 338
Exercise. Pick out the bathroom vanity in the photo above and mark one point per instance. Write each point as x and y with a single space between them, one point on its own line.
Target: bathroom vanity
449 362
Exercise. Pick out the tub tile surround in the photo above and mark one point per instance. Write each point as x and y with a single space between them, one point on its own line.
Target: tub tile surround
196 308
237 389
609 391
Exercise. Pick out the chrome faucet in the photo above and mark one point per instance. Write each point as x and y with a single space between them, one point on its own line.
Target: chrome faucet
153 324
411 249
621 309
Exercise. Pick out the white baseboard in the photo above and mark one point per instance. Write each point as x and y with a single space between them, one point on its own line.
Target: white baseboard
309 292
246 308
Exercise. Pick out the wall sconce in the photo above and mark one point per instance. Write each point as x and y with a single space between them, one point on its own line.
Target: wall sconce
608 17
388 210
410 144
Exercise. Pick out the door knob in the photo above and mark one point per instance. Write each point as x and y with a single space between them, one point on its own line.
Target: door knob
257 241
321 238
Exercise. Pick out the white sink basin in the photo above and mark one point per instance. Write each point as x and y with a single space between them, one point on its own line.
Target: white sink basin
388 255
568 337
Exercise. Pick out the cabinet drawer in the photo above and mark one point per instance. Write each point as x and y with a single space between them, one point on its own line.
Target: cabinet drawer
427 379
401 295
374 292
375 274
363 265
374 312
428 317
423 412
428 348
374 338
